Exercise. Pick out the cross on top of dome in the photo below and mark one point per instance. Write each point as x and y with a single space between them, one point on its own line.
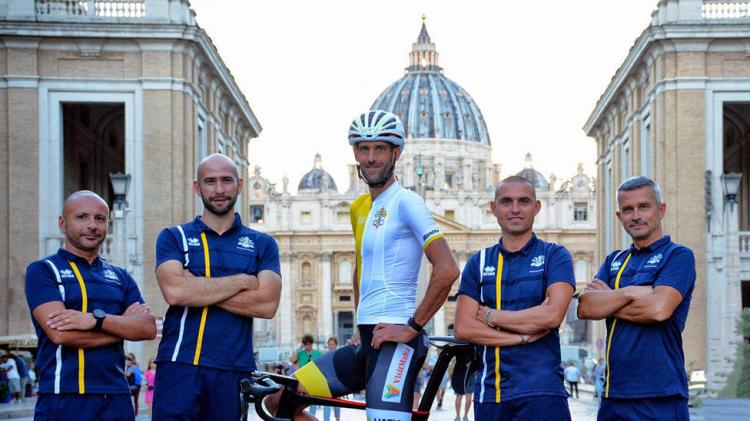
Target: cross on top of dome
423 56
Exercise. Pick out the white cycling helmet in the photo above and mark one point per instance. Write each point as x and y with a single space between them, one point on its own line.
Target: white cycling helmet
377 125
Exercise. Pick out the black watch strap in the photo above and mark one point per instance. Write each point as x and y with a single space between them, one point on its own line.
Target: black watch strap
99 316
414 325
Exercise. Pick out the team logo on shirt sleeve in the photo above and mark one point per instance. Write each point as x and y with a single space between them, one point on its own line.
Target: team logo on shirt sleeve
380 218
66 273
615 266
193 242
489 271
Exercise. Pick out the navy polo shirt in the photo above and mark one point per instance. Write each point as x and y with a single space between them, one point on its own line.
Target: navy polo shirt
102 286
211 336
524 276
646 359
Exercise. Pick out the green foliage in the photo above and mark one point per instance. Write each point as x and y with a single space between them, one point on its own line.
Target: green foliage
738 383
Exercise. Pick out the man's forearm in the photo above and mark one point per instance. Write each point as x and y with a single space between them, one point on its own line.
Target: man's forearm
251 304
436 293
84 339
598 304
478 333
181 289
643 310
136 327
528 321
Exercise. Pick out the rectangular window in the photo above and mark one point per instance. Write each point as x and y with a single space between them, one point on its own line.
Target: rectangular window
449 180
646 147
342 217
608 209
345 298
257 213
305 217
450 214
580 212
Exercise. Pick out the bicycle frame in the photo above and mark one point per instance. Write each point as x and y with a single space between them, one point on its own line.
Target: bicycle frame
262 384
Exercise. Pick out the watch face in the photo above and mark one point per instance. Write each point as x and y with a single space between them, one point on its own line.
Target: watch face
99 314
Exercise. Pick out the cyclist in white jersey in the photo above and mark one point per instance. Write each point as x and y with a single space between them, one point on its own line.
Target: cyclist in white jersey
392 229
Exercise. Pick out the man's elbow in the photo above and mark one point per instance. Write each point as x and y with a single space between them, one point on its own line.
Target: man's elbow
460 332
150 329
174 297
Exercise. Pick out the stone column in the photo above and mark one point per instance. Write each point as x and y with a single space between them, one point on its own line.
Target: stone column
326 310
284 337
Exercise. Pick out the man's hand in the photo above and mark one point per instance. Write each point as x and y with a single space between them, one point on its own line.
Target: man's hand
482 313
596 285
71 320
354 340
137 308
535 337
385 332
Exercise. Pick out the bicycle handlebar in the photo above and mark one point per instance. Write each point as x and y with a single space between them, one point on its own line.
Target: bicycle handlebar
255 389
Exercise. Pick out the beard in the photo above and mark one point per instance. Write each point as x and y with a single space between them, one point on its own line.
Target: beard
78 244
216 210
381 177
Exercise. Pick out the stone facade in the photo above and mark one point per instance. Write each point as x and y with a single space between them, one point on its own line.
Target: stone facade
676 111
143 78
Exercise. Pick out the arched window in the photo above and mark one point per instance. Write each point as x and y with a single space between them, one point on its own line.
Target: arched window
306 274
345 273
307 325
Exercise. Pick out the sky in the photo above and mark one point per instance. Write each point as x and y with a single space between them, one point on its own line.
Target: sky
534 68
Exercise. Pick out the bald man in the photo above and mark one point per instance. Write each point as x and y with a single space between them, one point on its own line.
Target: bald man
217 275
82 308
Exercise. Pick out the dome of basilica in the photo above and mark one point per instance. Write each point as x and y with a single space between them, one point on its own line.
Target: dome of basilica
317 178
429 104
536 178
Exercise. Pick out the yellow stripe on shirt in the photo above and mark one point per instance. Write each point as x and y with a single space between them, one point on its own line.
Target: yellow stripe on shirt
498 305
84 309
614 322
358 214
204 313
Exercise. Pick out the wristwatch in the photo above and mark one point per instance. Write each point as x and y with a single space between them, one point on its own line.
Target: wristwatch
414 325
99 315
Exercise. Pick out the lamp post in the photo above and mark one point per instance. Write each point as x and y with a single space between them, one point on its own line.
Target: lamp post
119 249
730 185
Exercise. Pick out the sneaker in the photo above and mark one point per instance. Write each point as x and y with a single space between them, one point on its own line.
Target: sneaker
466 418
457 418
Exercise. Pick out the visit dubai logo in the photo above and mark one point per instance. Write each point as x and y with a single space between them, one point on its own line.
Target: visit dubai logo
537 261
391 391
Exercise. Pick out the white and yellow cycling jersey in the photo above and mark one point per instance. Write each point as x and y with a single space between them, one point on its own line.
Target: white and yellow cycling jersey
390 233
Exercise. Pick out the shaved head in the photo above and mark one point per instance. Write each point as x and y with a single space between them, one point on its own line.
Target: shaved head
515 179
79 196
217 160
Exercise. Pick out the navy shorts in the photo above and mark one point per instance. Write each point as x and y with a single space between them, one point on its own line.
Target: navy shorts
388 374
189 392
548 408
670 408
464 376
93 407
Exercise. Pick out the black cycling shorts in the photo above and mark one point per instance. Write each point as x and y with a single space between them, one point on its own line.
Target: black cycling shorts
387 374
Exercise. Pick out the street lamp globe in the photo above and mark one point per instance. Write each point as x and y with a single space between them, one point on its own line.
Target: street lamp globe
730 184
120 185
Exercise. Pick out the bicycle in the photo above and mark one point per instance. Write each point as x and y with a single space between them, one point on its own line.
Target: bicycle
261 384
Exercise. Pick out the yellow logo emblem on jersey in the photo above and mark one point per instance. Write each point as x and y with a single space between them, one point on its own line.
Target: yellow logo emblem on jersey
380 218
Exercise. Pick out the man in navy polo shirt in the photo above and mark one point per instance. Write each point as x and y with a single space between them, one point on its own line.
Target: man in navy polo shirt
83 308
644 293
216 274
512 298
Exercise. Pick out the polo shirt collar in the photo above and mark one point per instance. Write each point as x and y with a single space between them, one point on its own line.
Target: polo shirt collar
65 254
651 247
525 250
202 227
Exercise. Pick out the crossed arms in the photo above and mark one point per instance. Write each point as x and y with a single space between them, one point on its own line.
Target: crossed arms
635 303
240 294
74 328
511 327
